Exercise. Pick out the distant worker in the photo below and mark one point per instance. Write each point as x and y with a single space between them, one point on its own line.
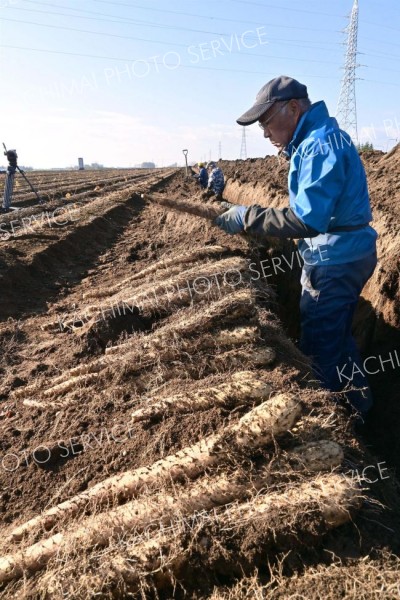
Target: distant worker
329 212
202 176
216 181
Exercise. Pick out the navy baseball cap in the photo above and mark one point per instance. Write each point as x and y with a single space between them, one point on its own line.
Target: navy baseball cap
276 90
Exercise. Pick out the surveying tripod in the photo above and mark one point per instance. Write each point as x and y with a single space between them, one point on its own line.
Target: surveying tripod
10 175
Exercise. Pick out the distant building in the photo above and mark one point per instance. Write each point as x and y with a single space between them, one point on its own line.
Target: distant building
80 164
148 165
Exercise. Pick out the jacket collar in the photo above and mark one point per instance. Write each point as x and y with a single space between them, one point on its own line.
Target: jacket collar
315 117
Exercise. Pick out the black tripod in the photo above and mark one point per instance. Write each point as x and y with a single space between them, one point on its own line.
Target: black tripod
9 185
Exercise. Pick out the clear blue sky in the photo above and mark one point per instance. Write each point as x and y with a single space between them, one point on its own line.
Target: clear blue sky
130 81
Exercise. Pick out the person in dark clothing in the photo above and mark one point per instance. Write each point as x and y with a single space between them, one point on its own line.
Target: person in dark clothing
216 181
202 176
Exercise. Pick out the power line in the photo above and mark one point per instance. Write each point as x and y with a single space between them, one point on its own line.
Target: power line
120 22
144 23
102 33
247 54
174 67
216 18
381 55
302 10
46 51
106 34
380 25
239 53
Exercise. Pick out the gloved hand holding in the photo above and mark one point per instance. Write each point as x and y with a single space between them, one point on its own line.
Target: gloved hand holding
232 221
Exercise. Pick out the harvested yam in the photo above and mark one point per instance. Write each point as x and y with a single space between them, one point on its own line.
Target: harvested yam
225 362
174 262
68 385
231 337
189 462
226 337
245 388
57 390
329 501
187 285
259 357
147 350
229 308
209 212
62 385
34 403
205 365
213 364
161 508
316 456
155 347
335 496
94 367
259 427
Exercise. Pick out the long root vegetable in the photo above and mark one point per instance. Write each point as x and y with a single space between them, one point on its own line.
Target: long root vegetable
316 456
188 282
157 341
62 386
259 427
329 501
165 354
228 309
257 357
68 385
191 207
236 305
159 267
225 362
245 387
160 508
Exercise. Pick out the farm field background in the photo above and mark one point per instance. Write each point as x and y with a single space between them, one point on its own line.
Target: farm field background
160 432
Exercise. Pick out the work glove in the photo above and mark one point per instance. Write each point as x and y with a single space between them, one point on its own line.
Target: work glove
232 221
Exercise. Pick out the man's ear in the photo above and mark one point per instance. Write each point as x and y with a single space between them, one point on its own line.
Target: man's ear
294 108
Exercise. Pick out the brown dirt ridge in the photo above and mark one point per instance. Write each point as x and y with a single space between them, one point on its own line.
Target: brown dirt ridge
161 434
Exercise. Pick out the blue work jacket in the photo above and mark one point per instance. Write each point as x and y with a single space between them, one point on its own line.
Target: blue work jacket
203 177
328 190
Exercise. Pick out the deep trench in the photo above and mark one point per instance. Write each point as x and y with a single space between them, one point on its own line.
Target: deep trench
375 338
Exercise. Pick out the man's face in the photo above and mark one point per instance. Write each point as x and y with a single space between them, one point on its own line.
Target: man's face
279 122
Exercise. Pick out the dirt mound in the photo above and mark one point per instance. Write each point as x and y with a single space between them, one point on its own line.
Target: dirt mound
160 432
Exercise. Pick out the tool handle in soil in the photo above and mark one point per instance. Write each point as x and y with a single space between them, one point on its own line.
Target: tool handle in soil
188 206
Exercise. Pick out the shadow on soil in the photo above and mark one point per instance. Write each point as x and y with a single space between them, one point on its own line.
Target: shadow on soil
28 288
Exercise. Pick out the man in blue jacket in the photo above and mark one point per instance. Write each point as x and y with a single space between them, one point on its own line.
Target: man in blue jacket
202 176
216 181
329 212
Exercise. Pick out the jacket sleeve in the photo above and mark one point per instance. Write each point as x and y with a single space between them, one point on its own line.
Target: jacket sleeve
321 178
277 223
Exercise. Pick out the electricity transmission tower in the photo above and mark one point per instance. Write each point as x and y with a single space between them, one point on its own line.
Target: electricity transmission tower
347 109
243 147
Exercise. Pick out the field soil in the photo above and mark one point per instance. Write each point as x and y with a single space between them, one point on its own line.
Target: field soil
161 434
